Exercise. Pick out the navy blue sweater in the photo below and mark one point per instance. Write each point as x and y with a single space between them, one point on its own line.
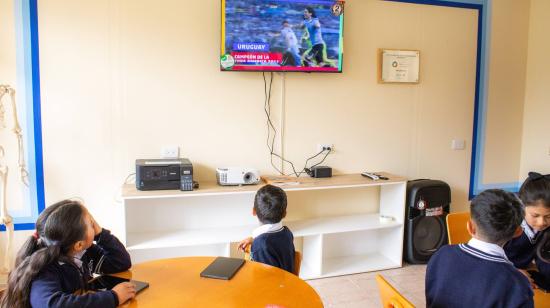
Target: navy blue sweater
521 251
462 276
59 284
275 248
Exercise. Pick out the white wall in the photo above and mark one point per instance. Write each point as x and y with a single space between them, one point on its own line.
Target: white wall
536 126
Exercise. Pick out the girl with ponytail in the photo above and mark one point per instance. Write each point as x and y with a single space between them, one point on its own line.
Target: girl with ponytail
55 264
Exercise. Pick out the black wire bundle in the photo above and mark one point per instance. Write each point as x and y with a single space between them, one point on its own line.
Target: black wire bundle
271 139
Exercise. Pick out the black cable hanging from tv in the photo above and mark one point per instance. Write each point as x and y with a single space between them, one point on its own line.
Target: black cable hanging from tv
271 139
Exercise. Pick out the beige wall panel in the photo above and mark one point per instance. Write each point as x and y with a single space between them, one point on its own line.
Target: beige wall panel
445 101
506 91
536 126
78 107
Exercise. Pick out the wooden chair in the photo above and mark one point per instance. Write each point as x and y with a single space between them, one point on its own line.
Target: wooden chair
390 297
456 228
297 260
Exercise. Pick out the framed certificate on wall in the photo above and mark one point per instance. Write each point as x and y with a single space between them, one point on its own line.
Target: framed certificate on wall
399 66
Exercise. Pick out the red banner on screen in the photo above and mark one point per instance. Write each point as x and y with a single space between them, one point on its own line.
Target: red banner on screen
257 58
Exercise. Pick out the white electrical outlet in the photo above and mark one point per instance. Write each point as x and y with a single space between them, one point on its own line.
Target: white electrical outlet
170 151
325 146
458 144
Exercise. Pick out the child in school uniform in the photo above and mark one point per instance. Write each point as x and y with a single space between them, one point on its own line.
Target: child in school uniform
478 274
55 264
272 243
521 250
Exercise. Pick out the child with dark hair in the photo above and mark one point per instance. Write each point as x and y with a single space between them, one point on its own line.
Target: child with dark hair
478 274
272 243
56 262
522 250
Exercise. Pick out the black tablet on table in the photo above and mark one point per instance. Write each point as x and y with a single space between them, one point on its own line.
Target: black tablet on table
222 268
107 282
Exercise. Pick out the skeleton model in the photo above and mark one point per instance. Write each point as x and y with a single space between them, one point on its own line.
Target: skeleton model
5 218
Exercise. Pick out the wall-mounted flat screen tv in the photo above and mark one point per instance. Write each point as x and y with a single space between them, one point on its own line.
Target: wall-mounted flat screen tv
282 35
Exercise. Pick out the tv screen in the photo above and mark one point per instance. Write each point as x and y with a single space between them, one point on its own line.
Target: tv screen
282 35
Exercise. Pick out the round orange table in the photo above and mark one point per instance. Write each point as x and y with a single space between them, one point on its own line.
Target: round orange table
177 283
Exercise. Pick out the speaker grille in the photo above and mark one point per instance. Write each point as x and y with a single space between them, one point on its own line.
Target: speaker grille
428 235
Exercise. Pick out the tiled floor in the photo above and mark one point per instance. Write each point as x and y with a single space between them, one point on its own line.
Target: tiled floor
360 290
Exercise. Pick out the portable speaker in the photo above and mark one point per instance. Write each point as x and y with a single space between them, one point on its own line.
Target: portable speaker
428 203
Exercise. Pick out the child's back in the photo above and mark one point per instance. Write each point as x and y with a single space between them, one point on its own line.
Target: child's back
272 243
275 248
479 274
462 276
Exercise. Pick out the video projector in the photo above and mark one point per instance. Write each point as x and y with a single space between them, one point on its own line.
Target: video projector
237 176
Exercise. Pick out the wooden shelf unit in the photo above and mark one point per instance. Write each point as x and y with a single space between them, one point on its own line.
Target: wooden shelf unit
213 218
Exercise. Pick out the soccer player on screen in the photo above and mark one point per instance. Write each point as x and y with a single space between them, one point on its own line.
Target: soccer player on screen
291 44
318 49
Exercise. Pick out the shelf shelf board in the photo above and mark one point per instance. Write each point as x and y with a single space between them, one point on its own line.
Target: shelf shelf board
187 237
129 191
338 266
338 224
224 235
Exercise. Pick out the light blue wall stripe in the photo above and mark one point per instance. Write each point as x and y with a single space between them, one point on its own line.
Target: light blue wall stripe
478 186
28 97
23 49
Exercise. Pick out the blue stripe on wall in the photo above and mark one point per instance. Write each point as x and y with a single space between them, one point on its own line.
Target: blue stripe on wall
39 171
28 69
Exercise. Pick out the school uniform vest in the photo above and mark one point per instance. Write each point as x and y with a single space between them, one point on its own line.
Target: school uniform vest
462 276
275 248
522 251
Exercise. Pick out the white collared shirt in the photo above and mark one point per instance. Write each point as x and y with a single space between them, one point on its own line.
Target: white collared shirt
488 248
531 234
267 228
76 259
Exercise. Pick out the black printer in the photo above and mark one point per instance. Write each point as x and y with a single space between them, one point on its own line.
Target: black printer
159 174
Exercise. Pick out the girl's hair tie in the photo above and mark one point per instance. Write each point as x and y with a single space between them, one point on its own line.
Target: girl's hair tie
537 176
35 235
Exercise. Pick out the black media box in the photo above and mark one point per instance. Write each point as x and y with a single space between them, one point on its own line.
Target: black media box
157 174
321 172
